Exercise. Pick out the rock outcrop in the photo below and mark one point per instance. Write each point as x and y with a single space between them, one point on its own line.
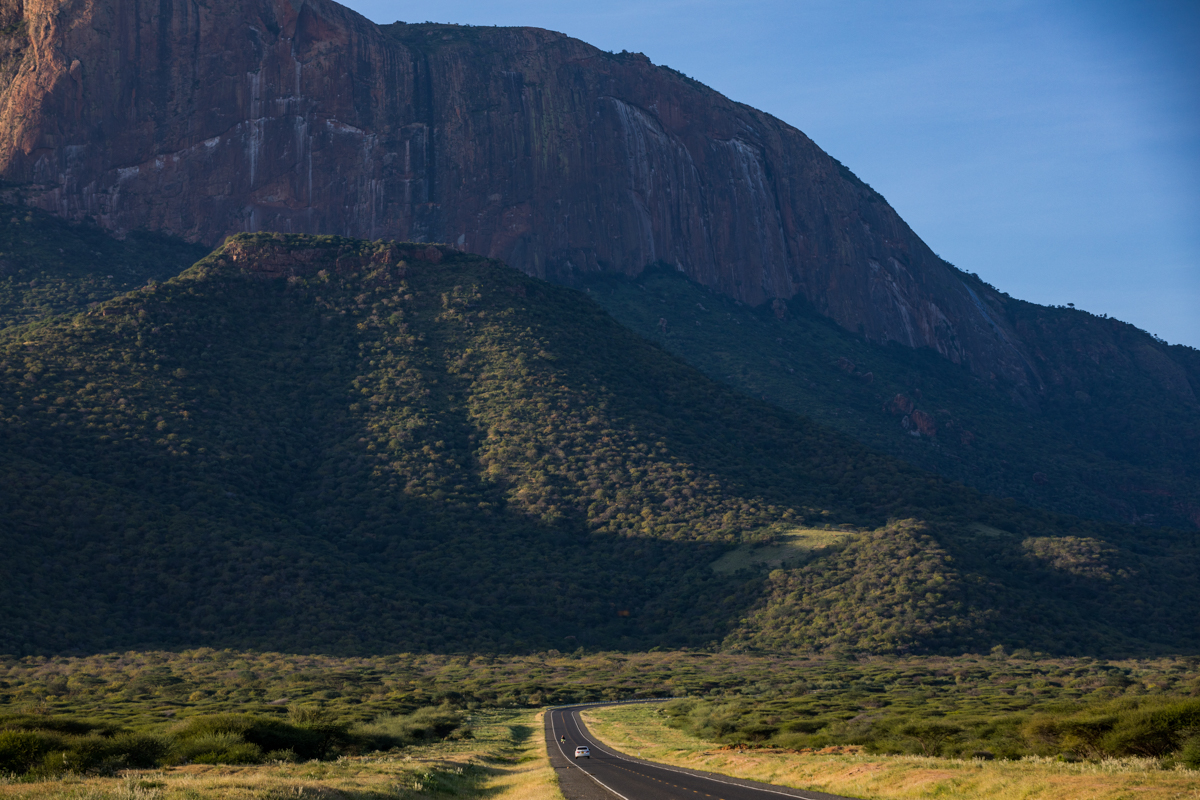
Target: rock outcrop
515 143
281 258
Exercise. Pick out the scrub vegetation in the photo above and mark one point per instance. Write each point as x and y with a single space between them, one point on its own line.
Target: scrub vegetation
1115 436
49 266
223 708
503 758
859 771
319 444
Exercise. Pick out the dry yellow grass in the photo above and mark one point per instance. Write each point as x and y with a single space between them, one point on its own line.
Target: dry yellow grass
636 730
506 761
532 777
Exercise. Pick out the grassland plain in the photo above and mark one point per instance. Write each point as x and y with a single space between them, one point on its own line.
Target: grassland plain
504 760
641 731
736 698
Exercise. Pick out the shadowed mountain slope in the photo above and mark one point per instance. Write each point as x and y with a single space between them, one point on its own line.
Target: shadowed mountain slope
49 267
1109 440
326 444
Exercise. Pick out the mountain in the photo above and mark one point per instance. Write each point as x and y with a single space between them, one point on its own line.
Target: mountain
323 444
1109 439
515 143
569 163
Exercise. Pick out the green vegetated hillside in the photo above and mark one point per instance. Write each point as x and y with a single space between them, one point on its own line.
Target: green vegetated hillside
48 266
1116 435
319 444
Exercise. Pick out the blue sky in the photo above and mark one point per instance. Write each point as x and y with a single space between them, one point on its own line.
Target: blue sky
1052 146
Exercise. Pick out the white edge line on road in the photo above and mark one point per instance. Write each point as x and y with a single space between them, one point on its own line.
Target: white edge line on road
682 772
554 733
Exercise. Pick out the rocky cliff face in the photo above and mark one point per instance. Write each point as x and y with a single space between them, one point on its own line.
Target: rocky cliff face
515 143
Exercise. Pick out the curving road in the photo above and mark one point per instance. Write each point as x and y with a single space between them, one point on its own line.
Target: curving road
609 774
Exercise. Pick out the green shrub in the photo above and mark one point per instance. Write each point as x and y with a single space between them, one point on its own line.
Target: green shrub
308 734
20 751
929 737
1050 735
1154 731
314 733
49 746
1189 754
140 750
397 730
84 755
804 725
72 726
216 747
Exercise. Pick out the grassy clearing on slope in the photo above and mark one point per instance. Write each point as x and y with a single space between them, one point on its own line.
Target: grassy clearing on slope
639 730
505 761
790 547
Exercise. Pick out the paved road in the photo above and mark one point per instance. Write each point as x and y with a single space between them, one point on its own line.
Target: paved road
608 774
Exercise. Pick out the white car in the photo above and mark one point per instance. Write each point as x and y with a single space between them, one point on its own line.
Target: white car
582 752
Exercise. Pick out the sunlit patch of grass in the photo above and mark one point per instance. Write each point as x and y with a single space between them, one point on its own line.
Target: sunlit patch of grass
638 730
531 777
789 547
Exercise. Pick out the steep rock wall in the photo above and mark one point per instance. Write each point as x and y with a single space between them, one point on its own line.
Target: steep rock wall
515 143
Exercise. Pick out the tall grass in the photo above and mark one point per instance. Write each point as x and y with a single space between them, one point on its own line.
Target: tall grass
504 760
38 747
640 731
1155 727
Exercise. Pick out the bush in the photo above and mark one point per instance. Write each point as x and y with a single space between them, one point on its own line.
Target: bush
20 751
1154 731
315 733
308 734
141 750
72 726
1189 754
928 737
48 746
216 747
397 730
286 756
1082 733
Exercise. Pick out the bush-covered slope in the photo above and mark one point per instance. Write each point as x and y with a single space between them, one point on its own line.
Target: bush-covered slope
1115 435
325 444
48 266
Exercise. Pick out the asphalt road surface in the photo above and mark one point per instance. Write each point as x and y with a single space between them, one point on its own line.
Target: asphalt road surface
609 775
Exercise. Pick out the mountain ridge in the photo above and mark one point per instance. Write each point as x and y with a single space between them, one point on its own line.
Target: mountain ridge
568 162
514 143
1106 441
